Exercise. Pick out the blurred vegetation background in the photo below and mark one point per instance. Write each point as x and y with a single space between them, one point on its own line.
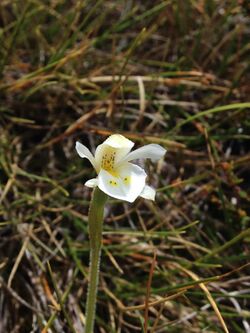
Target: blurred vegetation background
171 72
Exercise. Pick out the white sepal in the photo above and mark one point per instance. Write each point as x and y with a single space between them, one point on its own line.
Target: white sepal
84 152
92 182
148 193
152 151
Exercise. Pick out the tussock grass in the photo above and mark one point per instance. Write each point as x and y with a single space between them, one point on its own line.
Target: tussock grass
170 72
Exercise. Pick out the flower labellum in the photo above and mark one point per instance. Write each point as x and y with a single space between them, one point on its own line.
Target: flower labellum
117 177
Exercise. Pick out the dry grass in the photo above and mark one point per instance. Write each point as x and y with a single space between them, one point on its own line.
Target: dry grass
171 72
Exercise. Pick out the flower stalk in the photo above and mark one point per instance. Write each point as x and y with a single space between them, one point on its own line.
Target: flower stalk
96 212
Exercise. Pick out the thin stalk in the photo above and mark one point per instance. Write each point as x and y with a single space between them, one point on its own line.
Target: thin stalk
96 211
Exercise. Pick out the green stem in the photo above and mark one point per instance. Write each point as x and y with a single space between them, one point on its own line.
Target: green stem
95 236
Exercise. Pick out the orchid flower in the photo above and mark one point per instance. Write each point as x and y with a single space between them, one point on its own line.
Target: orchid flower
116 176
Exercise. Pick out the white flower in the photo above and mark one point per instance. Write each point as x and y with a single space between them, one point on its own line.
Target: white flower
117 177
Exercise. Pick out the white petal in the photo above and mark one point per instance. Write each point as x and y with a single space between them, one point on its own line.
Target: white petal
126 183
84 152
115 143
148 193
152 151
92 182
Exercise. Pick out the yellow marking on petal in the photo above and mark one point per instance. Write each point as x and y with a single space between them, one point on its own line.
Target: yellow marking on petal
126 180
113 183
108 161
114 173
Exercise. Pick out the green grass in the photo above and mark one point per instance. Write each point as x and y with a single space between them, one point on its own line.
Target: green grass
170 72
